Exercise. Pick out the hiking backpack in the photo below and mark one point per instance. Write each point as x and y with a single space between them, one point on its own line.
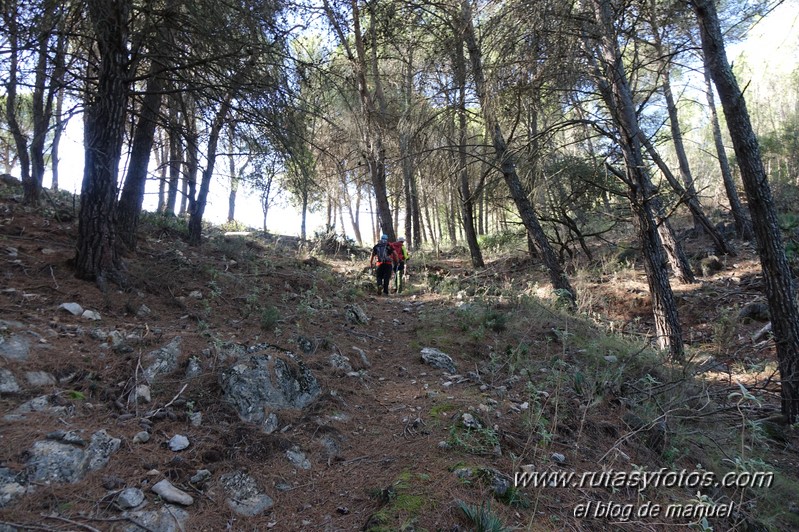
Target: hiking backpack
397 247
383 252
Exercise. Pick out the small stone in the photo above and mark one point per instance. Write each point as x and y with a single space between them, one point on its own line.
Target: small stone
130 498
143 312
470 422
558 457
72 308
111 482
443 445
298 459
196 294
116 339
170 493
271 423
178 442
91 315
196 419
141 437
611 358
201 477
141 394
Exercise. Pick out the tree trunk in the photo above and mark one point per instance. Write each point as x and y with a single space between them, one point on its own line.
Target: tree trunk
467 199
161 159
304 217
192 159
31 193
196 213
58 130
558 279
674 120
779 285
353 213
175 155
616 92
42 112
743 225
132 197
104 125
372 134
234 178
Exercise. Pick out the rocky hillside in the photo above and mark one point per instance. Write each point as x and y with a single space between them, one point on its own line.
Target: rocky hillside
250 385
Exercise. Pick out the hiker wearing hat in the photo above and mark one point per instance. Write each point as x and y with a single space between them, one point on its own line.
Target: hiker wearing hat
401 255
383 256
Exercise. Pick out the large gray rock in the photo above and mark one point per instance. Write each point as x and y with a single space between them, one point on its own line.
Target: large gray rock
270 380
162 361
43 403
62 462
15 347
243 495
10 489
8 384
438 359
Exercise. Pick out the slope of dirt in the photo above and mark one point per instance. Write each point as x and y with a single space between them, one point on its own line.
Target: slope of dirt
392 443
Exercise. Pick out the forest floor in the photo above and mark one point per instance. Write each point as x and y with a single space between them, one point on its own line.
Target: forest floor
393 443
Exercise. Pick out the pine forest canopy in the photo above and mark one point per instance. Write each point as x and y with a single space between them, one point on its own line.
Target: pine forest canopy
448 123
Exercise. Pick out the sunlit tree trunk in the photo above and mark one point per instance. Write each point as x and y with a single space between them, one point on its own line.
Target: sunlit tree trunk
615 90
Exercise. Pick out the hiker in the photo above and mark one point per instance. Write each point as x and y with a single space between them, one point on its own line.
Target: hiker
383 254
401 255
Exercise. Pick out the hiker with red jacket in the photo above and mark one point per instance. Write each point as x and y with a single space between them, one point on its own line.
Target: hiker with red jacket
401 255
383 255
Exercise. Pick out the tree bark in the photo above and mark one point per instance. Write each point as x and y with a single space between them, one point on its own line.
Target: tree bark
30 192
175 154
197 210
60 125
616 92
743 225
234 177
674 121
132 198
96 258
467 199
557 276
779 284
192 158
